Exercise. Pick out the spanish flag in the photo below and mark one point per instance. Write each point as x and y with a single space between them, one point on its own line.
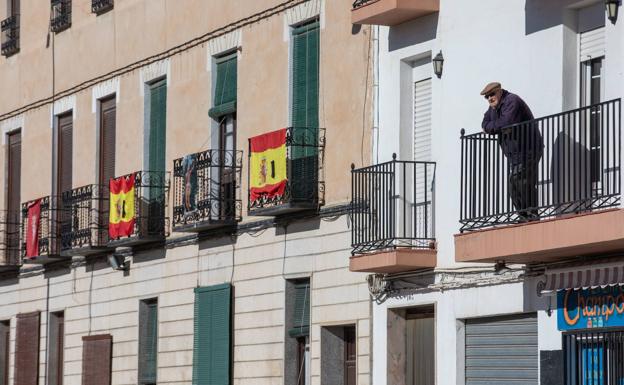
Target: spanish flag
121 214
267 179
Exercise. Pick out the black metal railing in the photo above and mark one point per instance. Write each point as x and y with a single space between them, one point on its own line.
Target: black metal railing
9 28
361 3
207 188
10 238
85 218
594 357
151 197
393 206
48 229
559 164
60 17
305 185
101 6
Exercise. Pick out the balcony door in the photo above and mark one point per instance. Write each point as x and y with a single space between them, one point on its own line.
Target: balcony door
13 198
106 160
154 179
227 163
64 169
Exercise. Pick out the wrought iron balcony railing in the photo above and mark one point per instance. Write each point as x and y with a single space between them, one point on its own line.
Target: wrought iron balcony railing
60 17
304 187
84 228
150 221
393 206
207 190
10 247
101 6
9 28
42 229
361 3
511 177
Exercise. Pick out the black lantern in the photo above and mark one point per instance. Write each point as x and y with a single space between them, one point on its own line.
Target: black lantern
612 9
438 64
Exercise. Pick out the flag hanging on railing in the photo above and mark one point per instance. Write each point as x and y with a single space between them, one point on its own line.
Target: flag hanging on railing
121 214
32 229
267 165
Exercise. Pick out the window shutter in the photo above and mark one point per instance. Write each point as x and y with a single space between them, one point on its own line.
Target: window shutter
212 335
305 76
56 348
157 128
592 44
108 113
225 88
301 315
97 353
148 341
27 349
64 170
5 338
14 198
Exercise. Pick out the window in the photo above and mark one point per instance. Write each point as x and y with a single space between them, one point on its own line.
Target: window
156 134
594 357
297 332
60 16
224 95
338 355
5 339
106 166
305 75
13 197
56 345
97 358
64 169
27 349
148 341
212 348
100 6
10 28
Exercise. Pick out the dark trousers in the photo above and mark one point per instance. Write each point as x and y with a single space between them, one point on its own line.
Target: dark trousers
523 188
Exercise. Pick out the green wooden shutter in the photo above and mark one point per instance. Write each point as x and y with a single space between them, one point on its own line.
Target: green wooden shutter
212 335
157 127
305 76
225 88
301 314
148 341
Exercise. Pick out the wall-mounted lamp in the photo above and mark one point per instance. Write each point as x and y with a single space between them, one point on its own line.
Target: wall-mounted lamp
612 9
118 262
438 64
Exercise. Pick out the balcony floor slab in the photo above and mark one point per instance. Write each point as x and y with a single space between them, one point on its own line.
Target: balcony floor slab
393 12
394 261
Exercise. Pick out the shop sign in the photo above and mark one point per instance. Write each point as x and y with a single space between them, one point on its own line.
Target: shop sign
590 308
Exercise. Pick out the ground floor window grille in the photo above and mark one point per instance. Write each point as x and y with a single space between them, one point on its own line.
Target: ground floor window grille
594 358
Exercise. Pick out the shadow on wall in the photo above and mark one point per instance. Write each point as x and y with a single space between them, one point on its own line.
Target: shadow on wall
541 15
413 32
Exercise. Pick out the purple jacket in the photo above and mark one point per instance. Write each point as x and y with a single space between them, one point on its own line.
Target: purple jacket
522 142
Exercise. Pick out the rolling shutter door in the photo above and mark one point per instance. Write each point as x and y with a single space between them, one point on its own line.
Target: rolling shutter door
592 44
502 350
212 335
97 353
27 349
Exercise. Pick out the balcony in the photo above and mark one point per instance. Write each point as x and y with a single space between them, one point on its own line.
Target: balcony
42 223
60 16
9 28
391 12
286 171
565 200
10 257
393 213
142 211
101 6
84 224
207 190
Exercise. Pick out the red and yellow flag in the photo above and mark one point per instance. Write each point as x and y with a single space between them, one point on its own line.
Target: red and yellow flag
121 214
267 167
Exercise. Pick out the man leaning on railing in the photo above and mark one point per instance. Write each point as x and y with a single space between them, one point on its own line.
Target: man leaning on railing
522 145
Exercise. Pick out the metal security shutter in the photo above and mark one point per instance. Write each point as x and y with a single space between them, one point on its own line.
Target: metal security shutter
157 128
502 350
5 338
212 335
592 44
27 349
64 170
97 358
14 198
422 120
148 341
108 115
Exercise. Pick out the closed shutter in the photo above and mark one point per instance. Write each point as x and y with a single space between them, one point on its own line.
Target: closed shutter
305 76
56 348
14 197
5 338
592 44
502 350
212 335
97 354
148 341
108 113
64 177
301 314
27 349
422 120
225 87
157 128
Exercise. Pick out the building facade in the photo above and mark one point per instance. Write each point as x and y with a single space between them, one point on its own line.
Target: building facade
176 192
468 291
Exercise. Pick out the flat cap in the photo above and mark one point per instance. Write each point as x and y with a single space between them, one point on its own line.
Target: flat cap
490 87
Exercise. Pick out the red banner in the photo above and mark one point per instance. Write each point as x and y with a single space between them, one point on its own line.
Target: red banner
32 229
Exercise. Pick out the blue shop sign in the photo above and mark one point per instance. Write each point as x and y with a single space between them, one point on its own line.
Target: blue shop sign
590 308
